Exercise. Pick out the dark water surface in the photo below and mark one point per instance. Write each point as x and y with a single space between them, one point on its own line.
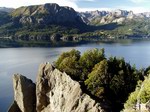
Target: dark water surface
26 61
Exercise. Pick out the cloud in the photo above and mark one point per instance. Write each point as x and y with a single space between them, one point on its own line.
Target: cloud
94 9
89 0
135 9
139 9
70 3
18 3
139 1
77 0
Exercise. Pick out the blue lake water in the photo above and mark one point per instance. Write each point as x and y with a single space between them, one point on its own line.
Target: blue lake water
26 61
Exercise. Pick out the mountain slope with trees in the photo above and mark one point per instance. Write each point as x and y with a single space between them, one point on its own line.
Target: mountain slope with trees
51 23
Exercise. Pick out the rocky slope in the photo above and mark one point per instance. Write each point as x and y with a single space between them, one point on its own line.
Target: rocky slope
55 92
40 22
24 94
116 16
52 13
46 14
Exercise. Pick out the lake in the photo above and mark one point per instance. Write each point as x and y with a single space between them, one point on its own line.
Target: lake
26 61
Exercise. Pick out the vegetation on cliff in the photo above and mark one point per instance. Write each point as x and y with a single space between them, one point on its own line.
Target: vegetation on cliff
110 79
140 95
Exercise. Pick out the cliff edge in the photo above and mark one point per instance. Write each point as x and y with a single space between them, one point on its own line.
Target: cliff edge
54 91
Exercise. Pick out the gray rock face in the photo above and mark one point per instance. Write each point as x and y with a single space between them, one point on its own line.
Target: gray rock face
116 16
25 20
105 17
144 15
46 14
55 92
24 94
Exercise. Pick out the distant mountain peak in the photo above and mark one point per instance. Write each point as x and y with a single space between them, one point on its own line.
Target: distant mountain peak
49 13
5 9
114 16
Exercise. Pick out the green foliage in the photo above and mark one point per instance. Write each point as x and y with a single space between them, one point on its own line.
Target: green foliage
89 59
111 79
142 93
113 76
120 74
4 18
72 53
68 62
147 71
83 64
97 78
70 66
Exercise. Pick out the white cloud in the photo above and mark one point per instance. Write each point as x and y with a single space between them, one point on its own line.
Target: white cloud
70 3
139 1
18 3
94 9
135 9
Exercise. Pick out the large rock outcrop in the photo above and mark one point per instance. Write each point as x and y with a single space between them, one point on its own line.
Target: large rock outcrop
24 94
55 92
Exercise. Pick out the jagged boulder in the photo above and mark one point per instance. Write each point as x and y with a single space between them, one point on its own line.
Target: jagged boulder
55 92
24 94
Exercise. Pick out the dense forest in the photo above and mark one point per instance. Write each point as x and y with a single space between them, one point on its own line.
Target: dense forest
106 79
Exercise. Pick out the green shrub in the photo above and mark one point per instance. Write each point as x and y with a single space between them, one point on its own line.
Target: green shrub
142 93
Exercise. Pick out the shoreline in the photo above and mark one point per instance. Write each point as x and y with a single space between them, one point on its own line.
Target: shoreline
7 43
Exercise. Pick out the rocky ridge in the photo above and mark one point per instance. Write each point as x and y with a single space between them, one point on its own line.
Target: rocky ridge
55 92
45 14
116 16
51 13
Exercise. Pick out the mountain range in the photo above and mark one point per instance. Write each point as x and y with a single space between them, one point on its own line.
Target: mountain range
57 14
41 22
116 16
68 14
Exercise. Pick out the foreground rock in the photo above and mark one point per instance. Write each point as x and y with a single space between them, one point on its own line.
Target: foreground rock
24 94
55 92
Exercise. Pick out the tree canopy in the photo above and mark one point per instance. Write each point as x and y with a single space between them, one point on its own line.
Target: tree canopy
110 79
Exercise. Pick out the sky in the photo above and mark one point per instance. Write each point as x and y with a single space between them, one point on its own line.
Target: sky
136 6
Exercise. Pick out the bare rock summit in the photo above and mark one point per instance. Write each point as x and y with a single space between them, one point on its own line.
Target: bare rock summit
55 92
